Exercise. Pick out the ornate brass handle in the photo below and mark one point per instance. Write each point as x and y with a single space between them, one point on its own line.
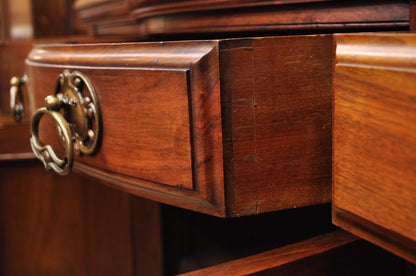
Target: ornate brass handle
78 119
16 98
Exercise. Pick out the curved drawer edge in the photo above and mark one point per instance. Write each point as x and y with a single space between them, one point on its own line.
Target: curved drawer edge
183 198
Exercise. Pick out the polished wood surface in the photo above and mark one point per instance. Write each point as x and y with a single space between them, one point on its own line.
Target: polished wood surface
335 253
4 19
277 122
412 15
154 98
52 225
14 144
275 119
149 18
287 18
92 10
374 195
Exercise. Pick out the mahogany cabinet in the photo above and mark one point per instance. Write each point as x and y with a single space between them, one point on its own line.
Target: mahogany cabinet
226 110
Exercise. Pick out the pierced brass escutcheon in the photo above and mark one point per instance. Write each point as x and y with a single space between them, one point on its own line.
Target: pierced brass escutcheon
78 119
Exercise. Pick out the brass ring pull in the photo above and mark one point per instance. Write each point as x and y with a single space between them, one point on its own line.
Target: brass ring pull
16 98
78 119
45 153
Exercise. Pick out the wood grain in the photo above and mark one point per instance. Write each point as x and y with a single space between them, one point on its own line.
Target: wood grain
62 226
373 143
302 17
149 18
52 19
412 16
4 20
277 122
14 142
147 237
97 10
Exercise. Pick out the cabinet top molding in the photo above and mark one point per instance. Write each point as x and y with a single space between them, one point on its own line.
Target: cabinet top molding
141 18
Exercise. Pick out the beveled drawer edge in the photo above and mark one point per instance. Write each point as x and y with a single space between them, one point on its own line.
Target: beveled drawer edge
126 55
379 50
17 156
376 234
184 198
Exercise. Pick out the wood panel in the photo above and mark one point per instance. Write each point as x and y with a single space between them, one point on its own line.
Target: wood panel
277 122
412 16
148 18
93 10
102 8
302 17
4 19
147 237
61 226
14 142
52 18
374 194
53 225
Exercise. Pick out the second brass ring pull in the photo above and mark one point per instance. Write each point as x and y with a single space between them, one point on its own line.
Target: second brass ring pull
16 98
78 118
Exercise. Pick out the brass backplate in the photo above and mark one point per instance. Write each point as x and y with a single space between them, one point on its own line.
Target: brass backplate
81 110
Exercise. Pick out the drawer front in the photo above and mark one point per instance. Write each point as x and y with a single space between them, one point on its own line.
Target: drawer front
230 128
147 129
374 191
161 115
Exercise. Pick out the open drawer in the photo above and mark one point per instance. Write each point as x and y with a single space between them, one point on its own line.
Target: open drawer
374 149
225 127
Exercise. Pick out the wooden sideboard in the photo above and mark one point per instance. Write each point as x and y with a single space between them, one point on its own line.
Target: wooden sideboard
224 109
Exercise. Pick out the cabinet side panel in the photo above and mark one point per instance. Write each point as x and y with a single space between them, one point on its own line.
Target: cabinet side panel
281 116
